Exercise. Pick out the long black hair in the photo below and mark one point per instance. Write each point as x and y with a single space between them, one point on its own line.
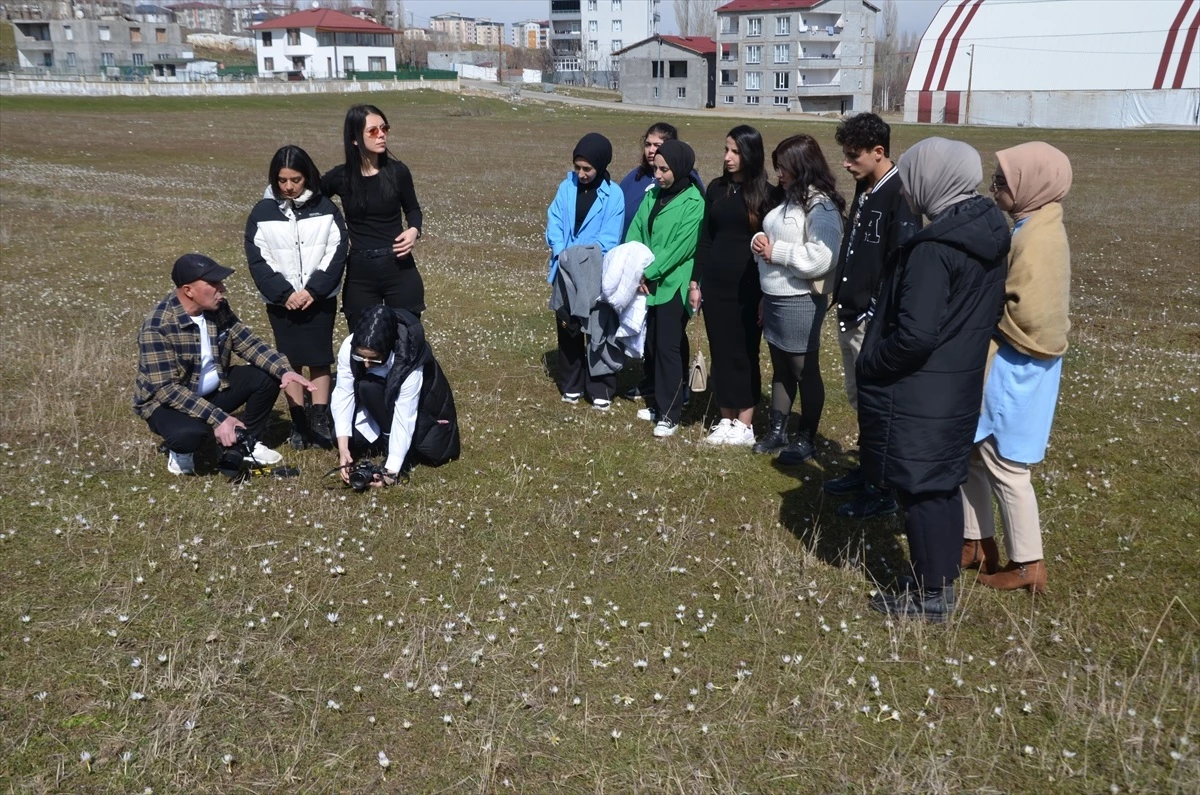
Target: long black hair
756 190
353 130
294 158
376 330
801 157
660 128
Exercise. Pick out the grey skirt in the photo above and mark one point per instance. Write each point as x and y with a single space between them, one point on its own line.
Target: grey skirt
792 323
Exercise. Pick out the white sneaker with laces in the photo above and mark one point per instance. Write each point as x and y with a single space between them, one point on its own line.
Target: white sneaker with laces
665 428
739 435
181 463
261 454
648 414
720 432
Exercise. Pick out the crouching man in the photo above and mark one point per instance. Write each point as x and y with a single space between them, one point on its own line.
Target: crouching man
186 387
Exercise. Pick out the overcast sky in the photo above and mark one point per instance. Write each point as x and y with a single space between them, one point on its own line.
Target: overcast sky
914 14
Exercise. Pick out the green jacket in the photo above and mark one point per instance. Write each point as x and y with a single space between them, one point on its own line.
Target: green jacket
676 229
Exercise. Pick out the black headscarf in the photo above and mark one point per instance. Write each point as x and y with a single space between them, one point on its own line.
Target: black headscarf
597 151
681 160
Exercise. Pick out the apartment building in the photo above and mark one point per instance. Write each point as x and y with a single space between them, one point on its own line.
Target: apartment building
455 27
202 16
111 47
812 56
531 34
488 33
585 34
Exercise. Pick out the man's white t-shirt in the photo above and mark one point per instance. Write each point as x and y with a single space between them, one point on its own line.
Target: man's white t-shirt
209 380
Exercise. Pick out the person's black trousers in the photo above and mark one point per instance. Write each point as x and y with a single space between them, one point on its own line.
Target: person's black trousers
933 522
248 386
379 277
573 375
666 336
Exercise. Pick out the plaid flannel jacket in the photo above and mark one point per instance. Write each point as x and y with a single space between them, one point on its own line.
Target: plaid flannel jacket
169 358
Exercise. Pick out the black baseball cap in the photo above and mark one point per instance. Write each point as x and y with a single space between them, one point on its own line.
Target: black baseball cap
191 267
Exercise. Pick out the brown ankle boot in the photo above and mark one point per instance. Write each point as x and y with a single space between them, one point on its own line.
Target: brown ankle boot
1015 576
971 555
991 556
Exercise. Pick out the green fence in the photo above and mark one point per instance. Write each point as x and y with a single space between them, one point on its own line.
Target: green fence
406 74
245 70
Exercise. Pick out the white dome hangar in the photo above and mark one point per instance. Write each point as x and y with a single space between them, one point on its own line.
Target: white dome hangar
1058 63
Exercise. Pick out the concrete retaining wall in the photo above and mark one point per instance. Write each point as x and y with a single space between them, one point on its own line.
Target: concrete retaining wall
11 85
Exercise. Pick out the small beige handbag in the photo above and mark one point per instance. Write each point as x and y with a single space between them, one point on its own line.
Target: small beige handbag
698 374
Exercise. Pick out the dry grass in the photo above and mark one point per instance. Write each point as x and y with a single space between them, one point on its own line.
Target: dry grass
572 606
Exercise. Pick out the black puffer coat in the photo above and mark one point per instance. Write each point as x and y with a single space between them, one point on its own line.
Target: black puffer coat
921 369
435 439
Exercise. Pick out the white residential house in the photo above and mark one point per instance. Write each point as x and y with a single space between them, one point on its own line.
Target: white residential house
322 43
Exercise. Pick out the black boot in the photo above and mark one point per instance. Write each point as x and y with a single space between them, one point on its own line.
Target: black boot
800 450
320 425
776 437
299 438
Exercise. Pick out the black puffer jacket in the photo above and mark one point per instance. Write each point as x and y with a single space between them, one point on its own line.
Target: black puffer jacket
921 369
435 439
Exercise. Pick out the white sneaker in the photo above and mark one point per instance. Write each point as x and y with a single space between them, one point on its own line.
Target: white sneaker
570 397
665 428
739 435
648 414
261 454
181 463
719 433
600 404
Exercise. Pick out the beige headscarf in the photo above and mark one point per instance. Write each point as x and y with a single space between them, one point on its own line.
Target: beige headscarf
1037 174
939 173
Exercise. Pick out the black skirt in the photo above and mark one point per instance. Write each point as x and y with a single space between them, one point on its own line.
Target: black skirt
733 340
305 336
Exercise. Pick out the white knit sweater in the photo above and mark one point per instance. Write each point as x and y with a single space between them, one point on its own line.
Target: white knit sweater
803 247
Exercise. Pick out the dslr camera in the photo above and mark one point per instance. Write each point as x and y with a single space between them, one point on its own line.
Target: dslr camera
363 473
237 463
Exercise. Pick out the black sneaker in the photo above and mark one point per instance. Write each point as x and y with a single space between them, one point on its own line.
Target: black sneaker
932 605
871 502
848 483
796 453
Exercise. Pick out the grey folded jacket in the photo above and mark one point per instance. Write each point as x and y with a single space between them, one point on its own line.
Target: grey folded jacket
577 287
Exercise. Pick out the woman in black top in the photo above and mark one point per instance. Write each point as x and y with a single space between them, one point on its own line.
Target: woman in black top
735 204
378 199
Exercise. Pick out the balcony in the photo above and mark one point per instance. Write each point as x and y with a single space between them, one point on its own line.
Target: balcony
729 78
566 34
729 53
818 89
564 8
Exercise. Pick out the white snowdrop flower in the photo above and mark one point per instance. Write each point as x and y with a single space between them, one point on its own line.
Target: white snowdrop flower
1176 756
1068 754
411 685
575 702
371 719
658 696
332 618
136 662
127 756
384 762
704 728
41 696
86 758
1028 750
136 696
467 698
435 690
162 657
860 659
997 711
357 688
228 760
666 654
447 719
406 725
690 707
331 704
640 664
1028 708
615 734
123 618
25 619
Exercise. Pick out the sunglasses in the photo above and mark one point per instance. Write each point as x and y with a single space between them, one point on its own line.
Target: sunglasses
366 361
375 132
998 182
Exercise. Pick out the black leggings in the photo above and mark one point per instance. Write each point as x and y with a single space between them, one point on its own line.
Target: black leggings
802 370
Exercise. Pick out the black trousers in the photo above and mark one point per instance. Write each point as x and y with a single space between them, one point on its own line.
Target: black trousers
933 522
248 386
667 354
380 278
573 375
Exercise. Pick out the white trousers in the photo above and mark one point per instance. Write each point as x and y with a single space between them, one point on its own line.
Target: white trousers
990 474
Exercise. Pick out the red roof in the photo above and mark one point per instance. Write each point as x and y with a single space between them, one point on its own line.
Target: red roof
323 19
766 5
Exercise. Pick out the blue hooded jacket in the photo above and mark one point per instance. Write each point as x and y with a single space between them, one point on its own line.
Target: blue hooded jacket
603 225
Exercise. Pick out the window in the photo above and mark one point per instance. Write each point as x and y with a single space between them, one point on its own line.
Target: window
268 64
593 66
752 99
135 35
293 35
266 38
729 26
48 60
593 45
657 68
160 35
164 56
105 33
593 26
617 44
754 26
783 53
782 81
753 81
68 34
377 64
681 93
656 92
347 64
70 59
108 59
781 100
727 99
729 77
783 26
616 26
754 53
677 68
139 59
592 5
616 5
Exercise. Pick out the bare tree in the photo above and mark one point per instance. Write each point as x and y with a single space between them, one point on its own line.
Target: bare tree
697 17
683 17
891 60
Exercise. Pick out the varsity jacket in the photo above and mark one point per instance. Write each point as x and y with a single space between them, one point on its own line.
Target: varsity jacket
296 245
879 223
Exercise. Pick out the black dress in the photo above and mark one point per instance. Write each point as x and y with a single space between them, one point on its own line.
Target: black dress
728 279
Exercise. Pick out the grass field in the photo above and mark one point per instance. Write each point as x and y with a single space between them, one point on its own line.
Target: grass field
573 606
